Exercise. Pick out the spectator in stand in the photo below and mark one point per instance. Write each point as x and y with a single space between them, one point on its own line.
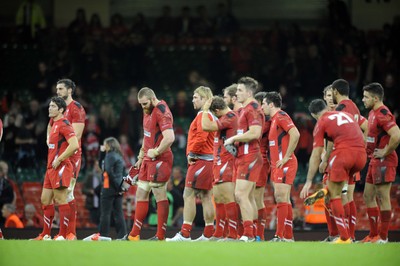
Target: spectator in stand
288 103
392 94
26 141
12 220
95 30
177 211
178 179
241 56
108 120
164 28
91 188
313 71
12 123
32 218
127 153
225 24
203 25
76 30
349 68
181 108
30 19
184 24
91 140
129 113
115 44
6 191
387 64
140 26
43 81
37 118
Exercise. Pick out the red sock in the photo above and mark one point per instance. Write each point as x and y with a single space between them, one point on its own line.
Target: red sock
48 216
281 214
220 219
142 207
208 230
346 208
385 220
373 217
262 216
226 227
1 234
338 213
185 230
332 229
65 213
72 221
240 222
248 229
232 215
288 234
240 229
352 219
162 217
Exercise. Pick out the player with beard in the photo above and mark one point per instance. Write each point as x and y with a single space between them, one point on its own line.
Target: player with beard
230 98
155 163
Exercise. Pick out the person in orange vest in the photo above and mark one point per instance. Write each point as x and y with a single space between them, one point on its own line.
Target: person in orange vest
12 220
315 214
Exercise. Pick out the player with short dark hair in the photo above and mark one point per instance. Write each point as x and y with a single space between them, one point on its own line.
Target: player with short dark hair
346 159
62 144
223 187
382 141
76 115
249 160
265 172
283 138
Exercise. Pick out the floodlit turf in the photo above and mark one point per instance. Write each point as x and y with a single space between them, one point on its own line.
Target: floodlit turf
115 253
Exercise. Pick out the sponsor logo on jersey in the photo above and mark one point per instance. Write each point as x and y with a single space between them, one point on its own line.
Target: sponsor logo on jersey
370 139
52 146
272 143
147 133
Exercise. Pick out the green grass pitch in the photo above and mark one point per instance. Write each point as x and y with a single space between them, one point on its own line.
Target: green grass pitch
116 253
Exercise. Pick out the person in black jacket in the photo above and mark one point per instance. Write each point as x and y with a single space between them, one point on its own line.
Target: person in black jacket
110 197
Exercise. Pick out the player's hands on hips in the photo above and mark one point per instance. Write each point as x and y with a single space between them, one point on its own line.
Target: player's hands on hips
152 153
229 141
56 163
191 160
305 190
379 153
281 163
